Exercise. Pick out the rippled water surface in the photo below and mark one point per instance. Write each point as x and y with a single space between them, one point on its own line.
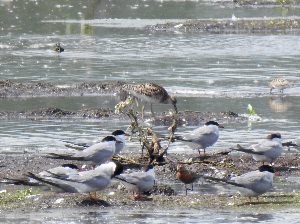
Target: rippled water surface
106 40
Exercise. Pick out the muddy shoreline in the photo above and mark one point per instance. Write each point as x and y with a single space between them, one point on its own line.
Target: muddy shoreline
10 88
164 194
161 119
232 26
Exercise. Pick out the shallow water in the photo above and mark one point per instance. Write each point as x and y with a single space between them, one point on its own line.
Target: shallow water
105 40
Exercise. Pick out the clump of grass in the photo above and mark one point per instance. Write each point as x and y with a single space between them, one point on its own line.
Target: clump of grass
11 199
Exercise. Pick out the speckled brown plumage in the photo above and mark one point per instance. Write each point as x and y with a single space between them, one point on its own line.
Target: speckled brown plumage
279 83
150 92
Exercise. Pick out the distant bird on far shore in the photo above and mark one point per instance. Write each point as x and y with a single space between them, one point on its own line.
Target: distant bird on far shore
203 137
150 92
186 176
279 83
58 48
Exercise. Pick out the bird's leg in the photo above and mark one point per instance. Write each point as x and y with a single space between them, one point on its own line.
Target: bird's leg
199 152
93 196
136 102
192 186
250 199
152 113
186 190
138 197
143 111
143 146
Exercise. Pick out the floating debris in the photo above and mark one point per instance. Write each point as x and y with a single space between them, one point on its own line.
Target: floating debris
58 48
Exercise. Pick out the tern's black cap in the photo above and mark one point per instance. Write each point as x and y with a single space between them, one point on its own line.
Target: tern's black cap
274 135
118 132
213 123
108 139
266 168
119 169
70 165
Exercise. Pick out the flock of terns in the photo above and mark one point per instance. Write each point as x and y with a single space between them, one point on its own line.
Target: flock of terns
73 179
70 178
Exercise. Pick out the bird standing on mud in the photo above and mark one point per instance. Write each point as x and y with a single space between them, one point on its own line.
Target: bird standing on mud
202 137
84 181
98 153
139 182
251 184
64 170
268 150
120 136
186 176
150 92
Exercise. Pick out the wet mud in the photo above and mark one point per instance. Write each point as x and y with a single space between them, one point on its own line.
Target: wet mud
164 195
280 25
10 88
162 119
257 3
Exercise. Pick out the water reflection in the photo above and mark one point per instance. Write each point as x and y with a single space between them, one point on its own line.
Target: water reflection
279 104
253 217
139 216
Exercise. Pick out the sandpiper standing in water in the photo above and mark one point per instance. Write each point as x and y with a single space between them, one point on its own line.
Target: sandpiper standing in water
279 83
150 92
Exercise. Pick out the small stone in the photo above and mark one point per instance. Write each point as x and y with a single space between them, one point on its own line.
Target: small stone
58 201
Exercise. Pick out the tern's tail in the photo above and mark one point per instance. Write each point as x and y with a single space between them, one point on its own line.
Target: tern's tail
65 157
222 181
242 149
25 182
77 146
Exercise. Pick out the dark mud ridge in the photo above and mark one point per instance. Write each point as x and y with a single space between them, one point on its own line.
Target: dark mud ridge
281 25
163 196
183 117
10 88
257 3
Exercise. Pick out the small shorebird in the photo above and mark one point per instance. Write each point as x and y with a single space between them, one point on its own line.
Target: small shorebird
186 176
268 150
139 182
251 184
120 136
150 92
85 181
98 153
279 83
58 48
202 137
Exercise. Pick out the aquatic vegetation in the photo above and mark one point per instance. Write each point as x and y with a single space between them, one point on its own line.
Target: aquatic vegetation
251 110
